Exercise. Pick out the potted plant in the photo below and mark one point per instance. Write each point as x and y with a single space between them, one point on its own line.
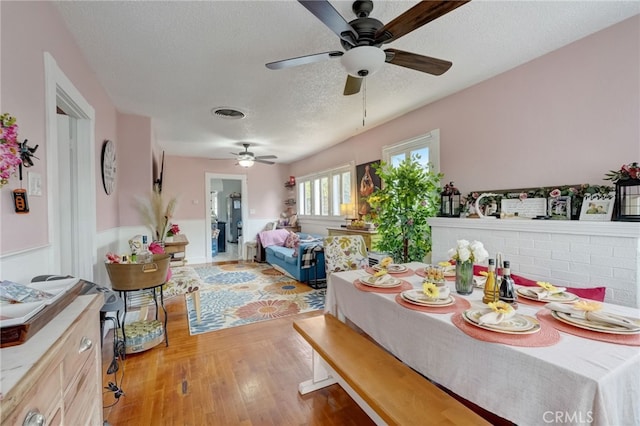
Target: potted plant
409 195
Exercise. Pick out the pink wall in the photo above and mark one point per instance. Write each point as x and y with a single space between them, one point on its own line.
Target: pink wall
567 117
28 29
185 177
134 158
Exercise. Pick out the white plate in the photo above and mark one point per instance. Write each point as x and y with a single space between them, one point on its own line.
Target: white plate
529 293
18 313
517 324
479 281
417 297
392 268
371 281
592 326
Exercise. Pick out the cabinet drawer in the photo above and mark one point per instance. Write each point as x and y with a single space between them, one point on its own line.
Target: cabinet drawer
43 398
81 401
76 350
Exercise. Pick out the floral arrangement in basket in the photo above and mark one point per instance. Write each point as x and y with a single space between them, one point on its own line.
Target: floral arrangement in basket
157 213
10 157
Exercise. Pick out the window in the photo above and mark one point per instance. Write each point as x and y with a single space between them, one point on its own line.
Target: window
321 194
426 146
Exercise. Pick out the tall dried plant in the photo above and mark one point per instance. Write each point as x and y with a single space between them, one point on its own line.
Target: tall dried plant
156 213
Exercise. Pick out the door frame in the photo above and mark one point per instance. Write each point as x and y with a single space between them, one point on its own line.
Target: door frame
245 211
59 91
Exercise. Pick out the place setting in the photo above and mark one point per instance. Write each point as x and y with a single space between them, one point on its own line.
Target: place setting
499 322
437 273
395 269
588 319
381 282
545 293
431 298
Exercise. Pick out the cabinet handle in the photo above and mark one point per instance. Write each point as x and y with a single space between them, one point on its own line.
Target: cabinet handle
85 345
34 418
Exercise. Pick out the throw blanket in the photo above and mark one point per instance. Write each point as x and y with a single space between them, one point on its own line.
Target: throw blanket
309 255
277 237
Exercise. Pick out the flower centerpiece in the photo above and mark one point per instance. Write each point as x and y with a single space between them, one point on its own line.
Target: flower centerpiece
10 158
466 254
173 230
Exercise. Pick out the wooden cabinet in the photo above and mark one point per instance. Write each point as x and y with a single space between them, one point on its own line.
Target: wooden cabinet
177 249
56 373
370 237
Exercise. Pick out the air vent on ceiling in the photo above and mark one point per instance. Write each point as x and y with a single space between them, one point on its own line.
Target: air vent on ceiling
230 113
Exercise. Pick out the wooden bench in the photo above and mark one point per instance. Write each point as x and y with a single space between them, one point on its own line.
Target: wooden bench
385 388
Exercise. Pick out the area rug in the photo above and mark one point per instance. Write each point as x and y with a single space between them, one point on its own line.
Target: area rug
184 279
239 294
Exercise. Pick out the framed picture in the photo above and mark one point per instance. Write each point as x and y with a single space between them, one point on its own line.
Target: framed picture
367 181
597 207
560 207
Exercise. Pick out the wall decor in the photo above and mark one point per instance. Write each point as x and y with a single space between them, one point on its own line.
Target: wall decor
559 207
108 159
597 207
368 181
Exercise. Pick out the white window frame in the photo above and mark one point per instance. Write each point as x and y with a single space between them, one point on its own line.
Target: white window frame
429 140
329 174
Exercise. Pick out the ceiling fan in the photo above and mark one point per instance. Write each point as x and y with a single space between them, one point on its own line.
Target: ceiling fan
363 37
247 158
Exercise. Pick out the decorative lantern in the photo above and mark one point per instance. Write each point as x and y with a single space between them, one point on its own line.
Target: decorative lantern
627 203
450 201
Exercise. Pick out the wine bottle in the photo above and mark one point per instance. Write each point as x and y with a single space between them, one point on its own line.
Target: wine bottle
144 255
491 293
507 286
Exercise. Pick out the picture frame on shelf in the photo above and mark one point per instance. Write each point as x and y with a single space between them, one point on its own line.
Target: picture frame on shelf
559 207
597 207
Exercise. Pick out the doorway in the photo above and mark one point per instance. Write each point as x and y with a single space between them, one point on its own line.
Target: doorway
226 213
73 240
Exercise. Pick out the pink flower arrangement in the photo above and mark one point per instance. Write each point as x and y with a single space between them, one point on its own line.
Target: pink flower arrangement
555 193
174 229
156 248
627 171
9 148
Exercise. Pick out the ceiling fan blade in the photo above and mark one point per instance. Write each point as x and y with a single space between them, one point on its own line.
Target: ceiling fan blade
417 62
302 60
417 16
325 12
352 86
265 157
258 160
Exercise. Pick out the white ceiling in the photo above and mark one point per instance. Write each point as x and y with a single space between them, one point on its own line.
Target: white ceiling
175 61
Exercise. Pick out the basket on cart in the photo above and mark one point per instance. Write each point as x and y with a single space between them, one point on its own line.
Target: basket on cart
138 276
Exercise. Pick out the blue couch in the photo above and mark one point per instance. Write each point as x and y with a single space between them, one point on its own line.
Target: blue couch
284 258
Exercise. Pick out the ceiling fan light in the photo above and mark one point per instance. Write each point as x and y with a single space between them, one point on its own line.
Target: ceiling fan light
362 61
246 162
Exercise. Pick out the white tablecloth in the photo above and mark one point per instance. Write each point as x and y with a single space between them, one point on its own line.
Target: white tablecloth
576 381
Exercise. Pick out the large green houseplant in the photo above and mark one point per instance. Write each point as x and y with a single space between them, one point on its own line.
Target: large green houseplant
409 195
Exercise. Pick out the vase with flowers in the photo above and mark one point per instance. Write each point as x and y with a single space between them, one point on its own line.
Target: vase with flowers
156 212
173 230
9 148
466 254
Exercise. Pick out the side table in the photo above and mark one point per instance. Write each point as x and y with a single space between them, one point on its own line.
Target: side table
177 249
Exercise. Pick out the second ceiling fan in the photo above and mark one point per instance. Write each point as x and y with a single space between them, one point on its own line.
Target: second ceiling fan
363 37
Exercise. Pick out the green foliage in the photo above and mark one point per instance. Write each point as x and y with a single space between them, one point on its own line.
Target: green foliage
409 195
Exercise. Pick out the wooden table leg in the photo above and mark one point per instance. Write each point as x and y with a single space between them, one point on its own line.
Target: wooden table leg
196 303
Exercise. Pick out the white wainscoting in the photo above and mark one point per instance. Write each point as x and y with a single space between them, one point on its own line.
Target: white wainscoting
566 253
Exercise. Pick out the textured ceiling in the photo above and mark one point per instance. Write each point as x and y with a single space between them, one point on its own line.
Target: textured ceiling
175 61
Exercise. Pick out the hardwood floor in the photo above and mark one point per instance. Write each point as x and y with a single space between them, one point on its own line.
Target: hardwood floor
246 375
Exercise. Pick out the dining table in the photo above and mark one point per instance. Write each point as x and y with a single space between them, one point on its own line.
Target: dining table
555 376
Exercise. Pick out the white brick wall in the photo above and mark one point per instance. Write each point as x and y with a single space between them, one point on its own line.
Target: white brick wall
565 253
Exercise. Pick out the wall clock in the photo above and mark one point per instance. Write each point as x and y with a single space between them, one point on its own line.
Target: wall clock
108 166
